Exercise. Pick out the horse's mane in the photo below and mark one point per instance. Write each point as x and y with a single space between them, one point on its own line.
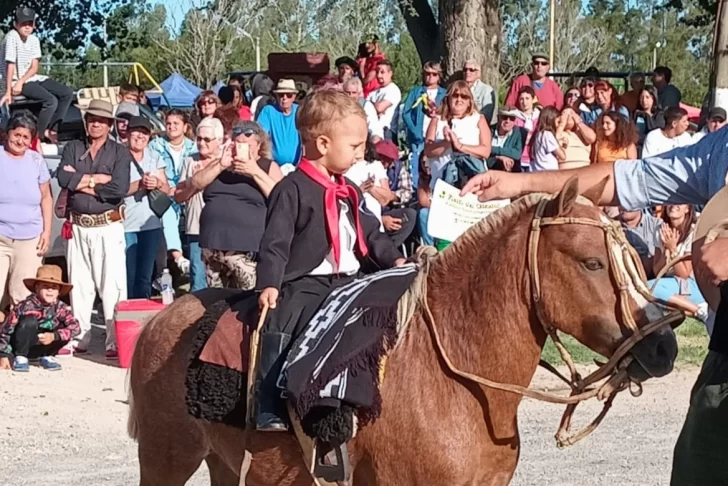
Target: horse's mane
428 257
473 238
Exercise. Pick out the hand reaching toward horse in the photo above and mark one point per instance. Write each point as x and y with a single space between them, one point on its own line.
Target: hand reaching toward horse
495 184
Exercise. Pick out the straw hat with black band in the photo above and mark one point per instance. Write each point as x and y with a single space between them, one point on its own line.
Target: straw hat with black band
100 108
713 224
50 274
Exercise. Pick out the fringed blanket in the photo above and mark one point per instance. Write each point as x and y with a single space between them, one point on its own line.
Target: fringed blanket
336 359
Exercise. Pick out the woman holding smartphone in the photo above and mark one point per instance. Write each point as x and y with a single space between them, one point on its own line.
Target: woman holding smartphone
235 192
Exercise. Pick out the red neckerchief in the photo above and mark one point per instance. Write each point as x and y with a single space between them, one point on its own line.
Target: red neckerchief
333 191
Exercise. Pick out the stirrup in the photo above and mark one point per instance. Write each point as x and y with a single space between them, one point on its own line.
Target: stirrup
331 462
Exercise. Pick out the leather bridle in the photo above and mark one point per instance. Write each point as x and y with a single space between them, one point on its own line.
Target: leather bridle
627 272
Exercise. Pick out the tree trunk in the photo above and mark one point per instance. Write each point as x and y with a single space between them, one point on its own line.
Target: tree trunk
470 29
423 28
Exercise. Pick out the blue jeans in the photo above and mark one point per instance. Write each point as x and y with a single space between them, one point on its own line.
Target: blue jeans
141 251
170 223
422 215
415 151
198 280
669 286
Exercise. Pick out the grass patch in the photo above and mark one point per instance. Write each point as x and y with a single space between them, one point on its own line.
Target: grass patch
692 342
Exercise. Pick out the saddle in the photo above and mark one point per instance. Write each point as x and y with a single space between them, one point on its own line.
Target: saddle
331 375
216 381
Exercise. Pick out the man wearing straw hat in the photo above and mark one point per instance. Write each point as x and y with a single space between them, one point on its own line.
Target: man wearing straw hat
279 121
95 172
686 175
40 325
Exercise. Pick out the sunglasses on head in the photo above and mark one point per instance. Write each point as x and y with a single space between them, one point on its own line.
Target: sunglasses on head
248 132
205 139
540 63
470 70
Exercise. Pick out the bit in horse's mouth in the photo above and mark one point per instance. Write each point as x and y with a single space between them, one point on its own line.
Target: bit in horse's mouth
654 356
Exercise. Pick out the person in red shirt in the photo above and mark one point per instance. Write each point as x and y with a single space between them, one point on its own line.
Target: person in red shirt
368 62
547 91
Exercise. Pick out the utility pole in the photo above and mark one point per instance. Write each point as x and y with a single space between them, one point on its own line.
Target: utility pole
720 57
552 40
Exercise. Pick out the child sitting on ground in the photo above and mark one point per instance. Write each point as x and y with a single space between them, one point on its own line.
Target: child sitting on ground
40 325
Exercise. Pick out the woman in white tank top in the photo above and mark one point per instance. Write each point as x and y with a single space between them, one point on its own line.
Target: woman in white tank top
457 128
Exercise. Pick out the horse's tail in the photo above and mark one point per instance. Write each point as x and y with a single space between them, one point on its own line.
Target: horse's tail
132 424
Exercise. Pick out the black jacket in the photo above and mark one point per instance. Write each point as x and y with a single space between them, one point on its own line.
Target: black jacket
295 241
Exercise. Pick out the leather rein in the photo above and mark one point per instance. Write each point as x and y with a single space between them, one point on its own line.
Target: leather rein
624 266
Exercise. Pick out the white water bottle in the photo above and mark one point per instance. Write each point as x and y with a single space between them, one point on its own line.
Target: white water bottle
167 290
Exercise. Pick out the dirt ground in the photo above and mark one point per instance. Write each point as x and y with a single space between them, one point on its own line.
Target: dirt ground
69 428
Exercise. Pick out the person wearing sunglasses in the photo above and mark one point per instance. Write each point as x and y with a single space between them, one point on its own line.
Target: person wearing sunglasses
547 91
483 94
279 121
419 107
206 104
572 98
508 142
235 192
588 105
210 135
458 136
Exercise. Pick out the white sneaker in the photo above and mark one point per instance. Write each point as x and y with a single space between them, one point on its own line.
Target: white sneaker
183 264
702 313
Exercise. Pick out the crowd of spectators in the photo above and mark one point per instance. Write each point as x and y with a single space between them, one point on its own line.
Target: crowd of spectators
217 166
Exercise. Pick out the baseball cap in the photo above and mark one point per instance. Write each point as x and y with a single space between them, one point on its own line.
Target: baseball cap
387 148
717 112
345 60
24 14
139 122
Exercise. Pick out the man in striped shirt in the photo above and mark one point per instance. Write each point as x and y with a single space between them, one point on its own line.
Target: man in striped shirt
19 62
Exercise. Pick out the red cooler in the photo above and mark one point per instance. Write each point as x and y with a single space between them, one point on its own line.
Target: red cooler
129 317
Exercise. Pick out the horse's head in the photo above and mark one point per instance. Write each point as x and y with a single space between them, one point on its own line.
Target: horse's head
588 285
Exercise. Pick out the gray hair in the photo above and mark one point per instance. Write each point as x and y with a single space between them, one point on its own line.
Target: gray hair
213 124
355 83
25 120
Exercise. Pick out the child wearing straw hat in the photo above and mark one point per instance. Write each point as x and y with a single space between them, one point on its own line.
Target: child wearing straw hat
39 326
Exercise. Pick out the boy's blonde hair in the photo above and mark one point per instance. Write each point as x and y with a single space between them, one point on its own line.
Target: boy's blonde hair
322 110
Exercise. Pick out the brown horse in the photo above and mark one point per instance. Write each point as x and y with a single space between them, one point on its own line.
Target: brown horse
435 428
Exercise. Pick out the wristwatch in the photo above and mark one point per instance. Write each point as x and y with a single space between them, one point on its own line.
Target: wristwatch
91 182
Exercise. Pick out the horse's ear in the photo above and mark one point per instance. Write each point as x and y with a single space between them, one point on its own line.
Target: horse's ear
565 199
594 193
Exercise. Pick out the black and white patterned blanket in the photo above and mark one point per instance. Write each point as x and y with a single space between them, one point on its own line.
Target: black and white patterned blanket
337 358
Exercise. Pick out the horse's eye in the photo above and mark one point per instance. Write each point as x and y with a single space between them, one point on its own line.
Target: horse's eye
593 264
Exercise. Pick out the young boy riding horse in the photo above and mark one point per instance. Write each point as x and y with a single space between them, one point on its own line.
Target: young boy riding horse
318 237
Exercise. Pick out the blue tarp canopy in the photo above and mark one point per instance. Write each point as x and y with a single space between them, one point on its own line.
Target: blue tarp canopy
180 93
